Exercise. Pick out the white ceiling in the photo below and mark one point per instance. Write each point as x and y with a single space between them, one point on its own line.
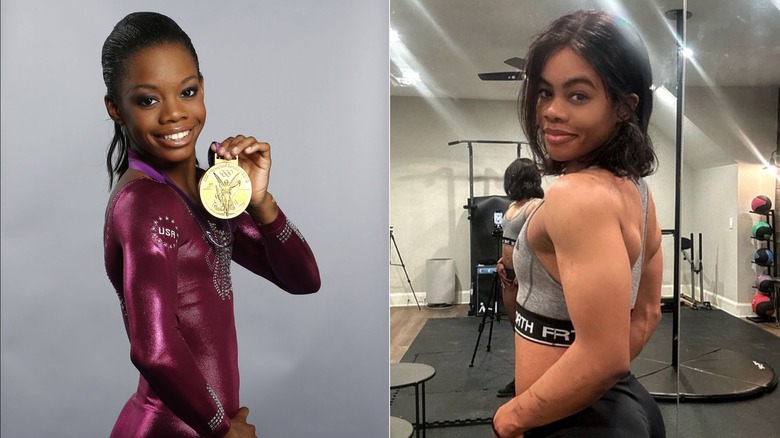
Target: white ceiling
736 42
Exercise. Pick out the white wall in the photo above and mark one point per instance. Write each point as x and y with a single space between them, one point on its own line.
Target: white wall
716 197
718 203
429 180
712 210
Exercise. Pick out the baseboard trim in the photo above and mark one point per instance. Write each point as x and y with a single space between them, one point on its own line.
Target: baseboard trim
406 299
727 305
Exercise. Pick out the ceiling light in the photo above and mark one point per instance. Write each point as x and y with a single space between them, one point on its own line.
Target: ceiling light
409 77
394 37
687 53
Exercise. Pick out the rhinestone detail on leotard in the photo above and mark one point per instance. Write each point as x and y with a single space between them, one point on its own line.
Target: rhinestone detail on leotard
220 266
217 419
287 231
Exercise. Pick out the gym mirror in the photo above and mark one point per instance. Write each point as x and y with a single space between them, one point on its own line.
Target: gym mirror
729 345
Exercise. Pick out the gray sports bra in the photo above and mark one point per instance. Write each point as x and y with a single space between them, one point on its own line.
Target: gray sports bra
542 315
512 227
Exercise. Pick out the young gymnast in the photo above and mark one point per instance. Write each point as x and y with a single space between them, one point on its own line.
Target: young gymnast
166 256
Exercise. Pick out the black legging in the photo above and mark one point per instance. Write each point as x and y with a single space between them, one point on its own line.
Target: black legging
625 411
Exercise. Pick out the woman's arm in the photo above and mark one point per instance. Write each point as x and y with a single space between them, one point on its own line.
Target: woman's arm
150 302
266 242
582 220
276 251
647 309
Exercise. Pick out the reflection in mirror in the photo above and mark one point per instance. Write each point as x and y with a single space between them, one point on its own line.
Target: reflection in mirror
728 352
438 51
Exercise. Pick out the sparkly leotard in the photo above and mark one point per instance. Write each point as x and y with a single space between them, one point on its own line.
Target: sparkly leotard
175 294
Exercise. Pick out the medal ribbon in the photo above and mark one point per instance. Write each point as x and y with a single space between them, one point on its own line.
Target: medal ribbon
136 162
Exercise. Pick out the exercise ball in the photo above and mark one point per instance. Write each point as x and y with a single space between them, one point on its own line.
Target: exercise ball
765 284
762 230
762 306
761 204
763 257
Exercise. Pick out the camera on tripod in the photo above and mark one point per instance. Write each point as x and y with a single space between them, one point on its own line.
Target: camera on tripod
498 223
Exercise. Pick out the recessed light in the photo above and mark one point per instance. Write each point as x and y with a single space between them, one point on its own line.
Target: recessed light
394 37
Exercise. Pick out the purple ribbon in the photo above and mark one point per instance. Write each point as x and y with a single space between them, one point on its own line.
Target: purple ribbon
136 162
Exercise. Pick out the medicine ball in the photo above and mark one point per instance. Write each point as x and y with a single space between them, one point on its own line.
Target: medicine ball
761 204
765 284
763 257
762 230
762 306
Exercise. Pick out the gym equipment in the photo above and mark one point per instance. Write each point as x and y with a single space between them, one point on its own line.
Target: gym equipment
401 264
491 309
480 216
696 268
765 284
763 257
766 302
762 231
762 305
761 204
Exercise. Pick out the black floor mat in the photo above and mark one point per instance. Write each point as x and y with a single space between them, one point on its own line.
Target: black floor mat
461 399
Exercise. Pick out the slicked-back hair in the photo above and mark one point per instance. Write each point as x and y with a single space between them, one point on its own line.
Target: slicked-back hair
613 47
135 32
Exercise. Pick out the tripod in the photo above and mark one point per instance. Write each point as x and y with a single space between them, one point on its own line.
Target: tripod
401 264
492 303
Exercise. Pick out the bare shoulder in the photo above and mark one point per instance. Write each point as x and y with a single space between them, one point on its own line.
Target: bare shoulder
582 195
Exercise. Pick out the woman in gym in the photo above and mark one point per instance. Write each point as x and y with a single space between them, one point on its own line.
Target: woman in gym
588 259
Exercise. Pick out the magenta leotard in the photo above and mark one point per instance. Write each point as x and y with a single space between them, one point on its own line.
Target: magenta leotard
176 299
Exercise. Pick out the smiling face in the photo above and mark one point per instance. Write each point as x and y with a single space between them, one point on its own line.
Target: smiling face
160 103
573 110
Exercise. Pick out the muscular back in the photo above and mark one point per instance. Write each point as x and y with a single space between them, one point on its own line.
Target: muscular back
587 236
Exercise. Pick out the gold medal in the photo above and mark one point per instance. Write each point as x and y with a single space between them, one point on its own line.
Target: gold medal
225 189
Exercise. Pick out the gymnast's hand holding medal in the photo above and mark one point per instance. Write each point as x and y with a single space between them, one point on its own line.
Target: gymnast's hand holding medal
238 180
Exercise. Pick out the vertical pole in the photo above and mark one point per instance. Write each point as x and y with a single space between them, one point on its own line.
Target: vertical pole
679 15
678 185
473 302
471 179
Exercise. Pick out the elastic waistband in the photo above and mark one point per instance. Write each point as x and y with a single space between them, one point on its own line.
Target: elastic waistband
542 329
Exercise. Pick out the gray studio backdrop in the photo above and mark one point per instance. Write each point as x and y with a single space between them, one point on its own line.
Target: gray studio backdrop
308 76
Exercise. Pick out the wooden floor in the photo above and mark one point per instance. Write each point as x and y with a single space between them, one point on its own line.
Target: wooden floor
771 327
406 323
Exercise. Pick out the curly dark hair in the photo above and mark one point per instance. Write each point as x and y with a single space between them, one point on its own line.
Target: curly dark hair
617 53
